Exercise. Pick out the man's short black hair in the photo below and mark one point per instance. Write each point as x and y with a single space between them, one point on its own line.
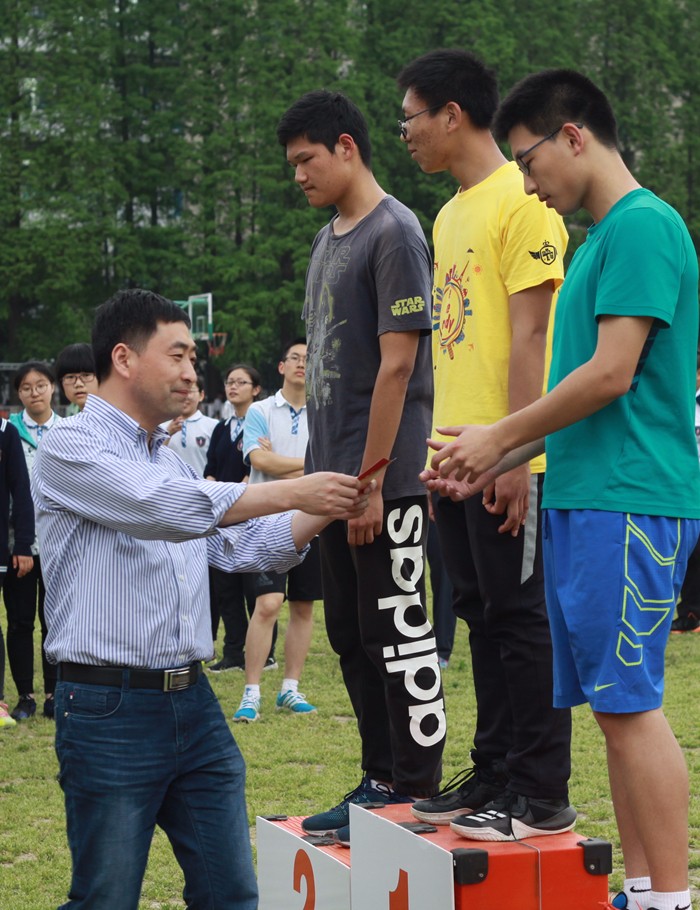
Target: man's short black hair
291 344
542 102
323 117
452 74
130 317
38 366
75 358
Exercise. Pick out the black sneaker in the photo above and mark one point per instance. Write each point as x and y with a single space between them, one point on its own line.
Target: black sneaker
26 708
363 795
467 792
225 664
513 817
687 623
49 708
271 663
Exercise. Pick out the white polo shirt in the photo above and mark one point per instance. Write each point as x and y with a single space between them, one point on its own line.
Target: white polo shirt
191 443
284 426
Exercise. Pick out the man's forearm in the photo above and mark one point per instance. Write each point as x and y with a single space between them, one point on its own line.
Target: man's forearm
306 527
260 499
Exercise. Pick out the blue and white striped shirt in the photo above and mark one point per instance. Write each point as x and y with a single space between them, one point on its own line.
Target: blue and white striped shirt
127 534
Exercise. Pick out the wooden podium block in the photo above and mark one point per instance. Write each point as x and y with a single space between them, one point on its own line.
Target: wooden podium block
396 869
293 874
392 868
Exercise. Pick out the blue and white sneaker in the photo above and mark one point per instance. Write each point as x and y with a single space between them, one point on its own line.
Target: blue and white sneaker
294 702
248 710
339 816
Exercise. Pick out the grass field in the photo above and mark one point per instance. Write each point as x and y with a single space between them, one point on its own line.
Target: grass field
298 766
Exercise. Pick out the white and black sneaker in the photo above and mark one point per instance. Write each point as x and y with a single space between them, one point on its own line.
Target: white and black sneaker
513 817
468 791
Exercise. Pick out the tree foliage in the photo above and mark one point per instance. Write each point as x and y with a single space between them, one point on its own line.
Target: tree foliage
137 139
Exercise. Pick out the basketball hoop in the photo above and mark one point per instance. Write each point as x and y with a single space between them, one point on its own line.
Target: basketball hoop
217 343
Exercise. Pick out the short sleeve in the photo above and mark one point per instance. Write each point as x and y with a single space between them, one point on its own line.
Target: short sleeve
534 244
643 266
254 427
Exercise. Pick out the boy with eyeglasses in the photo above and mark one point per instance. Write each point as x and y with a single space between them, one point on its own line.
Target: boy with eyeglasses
623 488
498 259
275 436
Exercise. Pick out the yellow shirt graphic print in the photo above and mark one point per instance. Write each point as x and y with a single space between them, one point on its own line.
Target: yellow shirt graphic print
491 241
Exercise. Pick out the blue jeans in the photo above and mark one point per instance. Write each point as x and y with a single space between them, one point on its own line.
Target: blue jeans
133 758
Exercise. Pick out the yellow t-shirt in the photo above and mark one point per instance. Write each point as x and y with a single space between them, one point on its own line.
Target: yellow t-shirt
491 241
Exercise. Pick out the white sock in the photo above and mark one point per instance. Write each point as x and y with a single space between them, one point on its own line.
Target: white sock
638 891
288 684
252 690
669 900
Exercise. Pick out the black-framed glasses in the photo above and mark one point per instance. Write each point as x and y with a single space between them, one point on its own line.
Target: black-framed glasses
72 378
520 159
403 132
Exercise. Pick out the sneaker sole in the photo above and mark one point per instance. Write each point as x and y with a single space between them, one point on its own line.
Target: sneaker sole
519 832
244 720
320 831
292 711
440 818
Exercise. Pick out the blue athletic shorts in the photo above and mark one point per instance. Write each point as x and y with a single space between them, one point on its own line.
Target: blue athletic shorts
612 581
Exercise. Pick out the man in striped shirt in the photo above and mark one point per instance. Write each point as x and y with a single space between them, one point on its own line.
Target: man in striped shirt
127 532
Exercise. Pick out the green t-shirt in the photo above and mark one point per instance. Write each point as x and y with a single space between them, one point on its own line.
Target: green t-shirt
638 454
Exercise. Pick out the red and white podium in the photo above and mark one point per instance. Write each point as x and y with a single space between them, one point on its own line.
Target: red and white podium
389 867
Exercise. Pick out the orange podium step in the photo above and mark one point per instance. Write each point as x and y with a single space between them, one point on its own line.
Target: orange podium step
389 867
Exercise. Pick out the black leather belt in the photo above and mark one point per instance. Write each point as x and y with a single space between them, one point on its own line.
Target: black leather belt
165 680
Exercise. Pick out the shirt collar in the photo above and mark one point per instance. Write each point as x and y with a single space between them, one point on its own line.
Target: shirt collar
281 402
32 424
108 415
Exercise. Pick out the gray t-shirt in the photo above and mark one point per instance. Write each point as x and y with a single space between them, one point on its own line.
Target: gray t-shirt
374 279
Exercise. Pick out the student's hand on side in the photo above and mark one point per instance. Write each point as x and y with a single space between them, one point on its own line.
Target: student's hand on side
510 495
365 528
23 565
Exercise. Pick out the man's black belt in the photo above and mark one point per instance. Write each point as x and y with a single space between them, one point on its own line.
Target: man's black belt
165 680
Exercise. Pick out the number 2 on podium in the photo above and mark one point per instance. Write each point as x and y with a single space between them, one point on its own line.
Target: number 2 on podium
398 898
304 870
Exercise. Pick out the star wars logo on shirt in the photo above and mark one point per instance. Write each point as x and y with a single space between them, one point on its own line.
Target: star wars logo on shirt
416 657
408 305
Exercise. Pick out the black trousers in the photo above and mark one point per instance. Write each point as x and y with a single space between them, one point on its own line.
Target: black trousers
23 597
499 591
444 619
374 603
